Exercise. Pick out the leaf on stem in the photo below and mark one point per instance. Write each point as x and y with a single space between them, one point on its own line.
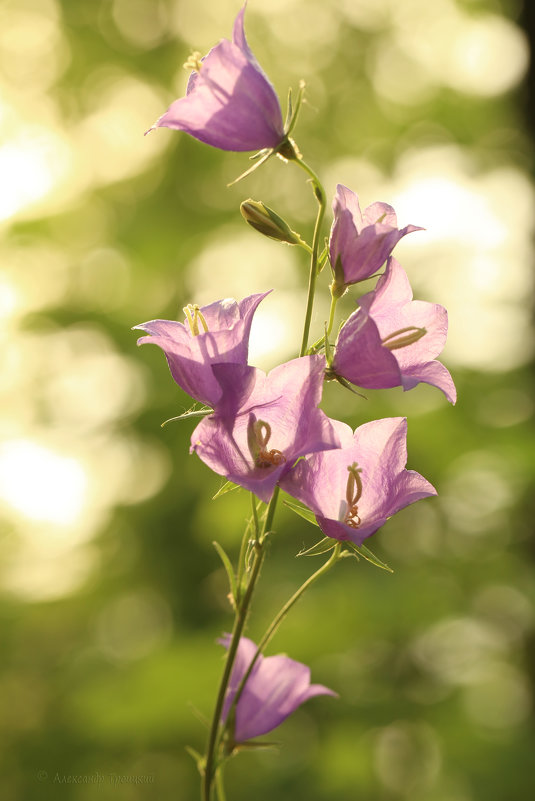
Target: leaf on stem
323 546
362 550
200 761
228 486
230 572
189 414
302 511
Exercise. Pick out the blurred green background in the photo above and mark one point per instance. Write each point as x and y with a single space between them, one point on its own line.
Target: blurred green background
112 596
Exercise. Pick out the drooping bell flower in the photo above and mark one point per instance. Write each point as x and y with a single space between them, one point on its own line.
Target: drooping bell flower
264 423
354 489
392 340
276 687
209 334
230 103
360 242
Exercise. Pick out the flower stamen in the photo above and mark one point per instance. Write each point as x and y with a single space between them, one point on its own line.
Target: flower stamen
258 435
403 337
353 495
194 62
193 315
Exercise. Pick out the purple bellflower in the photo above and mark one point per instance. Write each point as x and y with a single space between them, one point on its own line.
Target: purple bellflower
210 334
360 242
392 340
230 103
264 423
276 686
353 490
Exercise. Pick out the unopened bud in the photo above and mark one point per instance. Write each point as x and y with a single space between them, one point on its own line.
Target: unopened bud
268 222
403 337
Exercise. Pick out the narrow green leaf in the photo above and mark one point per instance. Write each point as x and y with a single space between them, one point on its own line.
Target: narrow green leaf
188 415
324 545
365 552
200 761
229 569
302 511
228 486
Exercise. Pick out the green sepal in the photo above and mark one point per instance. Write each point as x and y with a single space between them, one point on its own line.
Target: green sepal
200 761
229 570
253 745
228 486
323 546
369 556
189 414
302 511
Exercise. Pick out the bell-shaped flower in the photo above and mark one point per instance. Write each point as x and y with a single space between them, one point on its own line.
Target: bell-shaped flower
230 103
392 340
264 423
276 686
360 242
353 490
209 334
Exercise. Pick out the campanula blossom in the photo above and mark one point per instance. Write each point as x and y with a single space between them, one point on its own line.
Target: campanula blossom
354 489
392 340
264 423
209 334
276 686
360 242
230 103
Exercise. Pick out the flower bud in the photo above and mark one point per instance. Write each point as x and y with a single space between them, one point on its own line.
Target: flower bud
268 222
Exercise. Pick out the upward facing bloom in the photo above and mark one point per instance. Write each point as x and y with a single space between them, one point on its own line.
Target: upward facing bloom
392 340
276 686
210 334
264 423
360 242
229 103
354 489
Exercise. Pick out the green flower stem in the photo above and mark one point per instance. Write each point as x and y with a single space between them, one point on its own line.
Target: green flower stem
219 785
239 623
277 620
330 324
319 194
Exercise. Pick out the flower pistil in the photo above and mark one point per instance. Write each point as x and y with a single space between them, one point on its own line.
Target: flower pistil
353 495
193 315
258 435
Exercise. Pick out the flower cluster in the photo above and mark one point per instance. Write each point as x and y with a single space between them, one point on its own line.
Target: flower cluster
266 431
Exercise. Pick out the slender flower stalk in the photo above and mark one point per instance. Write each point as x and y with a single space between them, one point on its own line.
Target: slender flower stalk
319 194
283 612
239 623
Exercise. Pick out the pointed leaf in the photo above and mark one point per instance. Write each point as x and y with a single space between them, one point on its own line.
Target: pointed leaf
302 511
228 486
199 760
188 415
230 571
324 545
365 552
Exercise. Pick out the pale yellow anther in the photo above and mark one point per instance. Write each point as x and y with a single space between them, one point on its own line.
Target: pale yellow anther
194 62
403 337
193 315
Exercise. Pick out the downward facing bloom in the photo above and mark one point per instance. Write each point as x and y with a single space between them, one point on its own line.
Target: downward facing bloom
353 490
264 423
209 334
229 103
392 340
360 242
276 686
